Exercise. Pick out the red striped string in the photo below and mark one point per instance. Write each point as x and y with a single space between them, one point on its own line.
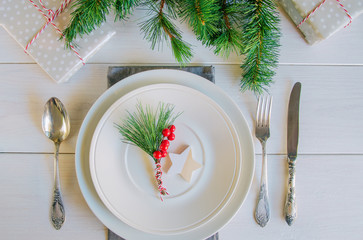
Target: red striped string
50 15
346 12
158 175
319 5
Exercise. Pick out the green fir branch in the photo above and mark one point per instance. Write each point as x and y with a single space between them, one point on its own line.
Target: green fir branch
248 27
201 15
159 28
87 15
123 8
260 39
228 37
144 127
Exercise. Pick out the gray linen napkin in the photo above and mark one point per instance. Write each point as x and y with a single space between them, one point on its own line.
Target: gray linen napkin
116 74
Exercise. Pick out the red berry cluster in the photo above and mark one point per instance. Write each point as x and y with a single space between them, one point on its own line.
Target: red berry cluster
169 135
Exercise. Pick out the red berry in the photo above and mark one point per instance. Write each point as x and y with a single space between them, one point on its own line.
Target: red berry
157 154
163 153
165 142
166 132
172 128
164 147
171 136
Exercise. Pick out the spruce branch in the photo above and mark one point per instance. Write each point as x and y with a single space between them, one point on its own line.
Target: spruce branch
228 37
248 27
87 15
159 27
201 15
143 128
123 8
260 39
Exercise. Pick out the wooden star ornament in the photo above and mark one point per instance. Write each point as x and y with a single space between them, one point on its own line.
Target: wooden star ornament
183 164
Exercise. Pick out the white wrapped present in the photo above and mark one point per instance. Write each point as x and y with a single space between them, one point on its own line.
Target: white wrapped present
37 26
319 19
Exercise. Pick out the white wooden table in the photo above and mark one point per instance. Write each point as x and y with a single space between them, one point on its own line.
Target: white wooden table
329 166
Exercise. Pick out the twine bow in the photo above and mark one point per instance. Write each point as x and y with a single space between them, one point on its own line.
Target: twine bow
50 15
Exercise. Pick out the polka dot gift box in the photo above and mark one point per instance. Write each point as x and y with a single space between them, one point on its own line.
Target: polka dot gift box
37 26
319 19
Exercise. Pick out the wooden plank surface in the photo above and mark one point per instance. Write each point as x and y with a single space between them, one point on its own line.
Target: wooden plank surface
330 106
26 197
329 168
328 205
328 208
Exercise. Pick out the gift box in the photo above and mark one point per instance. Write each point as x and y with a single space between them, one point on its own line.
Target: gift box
319 19
37 26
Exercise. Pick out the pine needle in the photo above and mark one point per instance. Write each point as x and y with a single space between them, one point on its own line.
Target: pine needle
248 27
123 8
144 127
227 38
87 15
160 28
201 15
260 40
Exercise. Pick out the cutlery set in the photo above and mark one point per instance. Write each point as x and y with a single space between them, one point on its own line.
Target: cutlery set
262 133
56 126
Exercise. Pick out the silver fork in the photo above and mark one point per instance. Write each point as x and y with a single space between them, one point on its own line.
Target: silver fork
262 132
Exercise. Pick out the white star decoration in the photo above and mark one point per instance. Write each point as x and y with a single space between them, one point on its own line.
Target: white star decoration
183 164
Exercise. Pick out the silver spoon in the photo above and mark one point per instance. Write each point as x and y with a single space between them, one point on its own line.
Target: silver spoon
56 127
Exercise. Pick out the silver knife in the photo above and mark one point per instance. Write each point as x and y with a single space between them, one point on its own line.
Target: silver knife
290 211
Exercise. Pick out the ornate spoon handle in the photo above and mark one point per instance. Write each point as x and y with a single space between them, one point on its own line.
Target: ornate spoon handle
290 204
57 208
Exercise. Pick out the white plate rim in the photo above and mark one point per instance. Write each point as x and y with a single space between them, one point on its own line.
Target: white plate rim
167 86
152 77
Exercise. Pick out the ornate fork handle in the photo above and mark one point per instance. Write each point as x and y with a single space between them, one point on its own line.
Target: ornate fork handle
290 204
262 212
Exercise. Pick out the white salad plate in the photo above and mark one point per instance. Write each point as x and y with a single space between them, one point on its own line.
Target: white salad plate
123 174
96 179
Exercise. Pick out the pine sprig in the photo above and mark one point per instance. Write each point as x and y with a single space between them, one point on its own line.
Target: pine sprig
201 15
159 28
143 128
248 27
260 39
123 8
228 37
86 17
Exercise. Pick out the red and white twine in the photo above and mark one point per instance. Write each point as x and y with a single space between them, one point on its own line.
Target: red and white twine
346 12
50 15
158 175
318 6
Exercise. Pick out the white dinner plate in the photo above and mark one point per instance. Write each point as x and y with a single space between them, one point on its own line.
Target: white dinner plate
243 181
123 174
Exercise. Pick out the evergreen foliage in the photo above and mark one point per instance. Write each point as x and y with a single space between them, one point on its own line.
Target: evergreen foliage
260 41
248 27
144 127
